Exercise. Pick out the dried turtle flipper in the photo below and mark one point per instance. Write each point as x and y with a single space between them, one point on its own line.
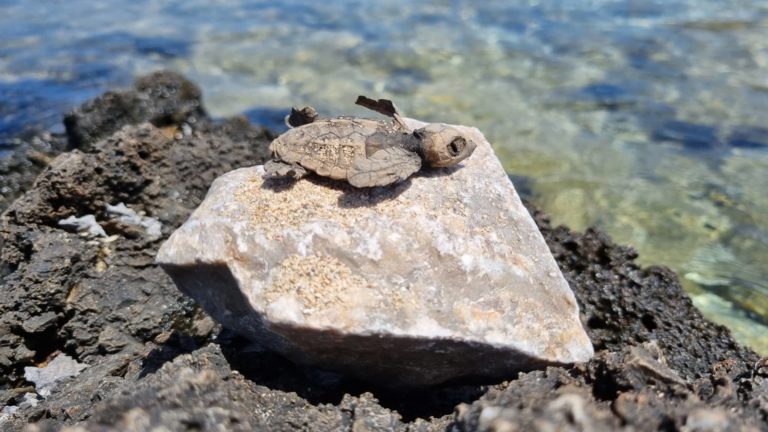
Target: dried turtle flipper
386 107
277 168
384 167
300 117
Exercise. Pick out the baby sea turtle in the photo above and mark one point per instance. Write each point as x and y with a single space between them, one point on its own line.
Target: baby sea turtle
364 152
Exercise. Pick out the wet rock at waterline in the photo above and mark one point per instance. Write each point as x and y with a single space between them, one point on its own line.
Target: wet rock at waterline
441 277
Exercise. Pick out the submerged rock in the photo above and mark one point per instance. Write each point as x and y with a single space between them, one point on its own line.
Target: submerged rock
441 277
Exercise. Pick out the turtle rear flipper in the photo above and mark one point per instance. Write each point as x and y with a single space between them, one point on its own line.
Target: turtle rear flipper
280 169
386 166
300 117
383 106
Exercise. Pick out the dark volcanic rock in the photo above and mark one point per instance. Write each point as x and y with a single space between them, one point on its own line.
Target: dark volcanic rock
155 360
102 291
27 155
162 98
104 302
200 391
623 304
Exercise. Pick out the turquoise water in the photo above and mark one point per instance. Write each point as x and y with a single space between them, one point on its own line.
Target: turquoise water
647 119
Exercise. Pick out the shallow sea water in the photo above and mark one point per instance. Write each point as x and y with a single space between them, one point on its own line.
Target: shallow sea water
648 119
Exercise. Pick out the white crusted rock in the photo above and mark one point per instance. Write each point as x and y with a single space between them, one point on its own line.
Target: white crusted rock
46 378
443 276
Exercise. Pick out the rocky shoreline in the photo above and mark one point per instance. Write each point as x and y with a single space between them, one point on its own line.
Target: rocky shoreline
155 359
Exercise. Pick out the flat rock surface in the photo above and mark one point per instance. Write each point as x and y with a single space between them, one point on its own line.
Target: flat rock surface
442 276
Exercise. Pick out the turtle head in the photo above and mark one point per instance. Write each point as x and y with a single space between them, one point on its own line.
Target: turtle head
442 145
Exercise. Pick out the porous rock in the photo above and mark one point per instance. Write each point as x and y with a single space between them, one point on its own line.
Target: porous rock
60 291
440 277
162 98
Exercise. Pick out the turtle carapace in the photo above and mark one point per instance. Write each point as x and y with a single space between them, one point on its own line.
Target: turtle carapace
364 152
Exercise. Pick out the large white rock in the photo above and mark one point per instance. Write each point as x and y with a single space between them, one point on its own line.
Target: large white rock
443 276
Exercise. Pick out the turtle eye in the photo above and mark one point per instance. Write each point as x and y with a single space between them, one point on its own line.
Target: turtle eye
457 146
418 134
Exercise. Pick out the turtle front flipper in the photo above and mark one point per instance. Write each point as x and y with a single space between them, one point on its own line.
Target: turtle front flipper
384 167
300 117
279 169
384 106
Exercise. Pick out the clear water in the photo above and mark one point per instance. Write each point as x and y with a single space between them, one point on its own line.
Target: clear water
646 118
